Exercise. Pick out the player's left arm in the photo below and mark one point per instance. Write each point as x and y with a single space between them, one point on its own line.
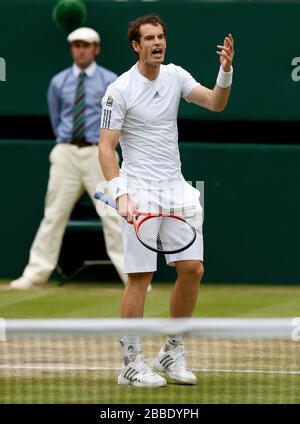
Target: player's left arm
216 99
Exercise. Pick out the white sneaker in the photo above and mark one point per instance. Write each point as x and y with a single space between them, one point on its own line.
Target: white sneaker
24 283
137 373
174 364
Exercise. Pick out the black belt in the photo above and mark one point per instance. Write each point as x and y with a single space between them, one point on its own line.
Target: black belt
81 143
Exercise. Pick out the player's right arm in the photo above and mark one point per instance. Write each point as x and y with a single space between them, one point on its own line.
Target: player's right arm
108 142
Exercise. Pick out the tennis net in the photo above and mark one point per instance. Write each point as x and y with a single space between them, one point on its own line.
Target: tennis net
79 360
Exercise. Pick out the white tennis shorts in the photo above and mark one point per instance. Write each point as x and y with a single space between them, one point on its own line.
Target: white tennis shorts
181 199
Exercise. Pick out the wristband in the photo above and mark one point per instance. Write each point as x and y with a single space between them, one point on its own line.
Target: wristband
224 79
117 187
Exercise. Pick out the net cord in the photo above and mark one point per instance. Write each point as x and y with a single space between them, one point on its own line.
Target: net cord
211 328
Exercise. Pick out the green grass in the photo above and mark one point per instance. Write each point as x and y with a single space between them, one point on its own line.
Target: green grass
89 300
212 388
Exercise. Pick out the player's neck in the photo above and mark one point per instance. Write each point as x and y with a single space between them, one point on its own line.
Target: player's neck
149 71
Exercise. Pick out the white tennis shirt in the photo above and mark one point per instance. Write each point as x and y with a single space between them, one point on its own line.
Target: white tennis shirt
146 113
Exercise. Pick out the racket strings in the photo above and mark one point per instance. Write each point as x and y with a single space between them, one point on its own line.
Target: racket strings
166 234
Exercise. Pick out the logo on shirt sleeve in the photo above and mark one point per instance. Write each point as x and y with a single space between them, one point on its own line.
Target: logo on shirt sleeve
109 101
105 119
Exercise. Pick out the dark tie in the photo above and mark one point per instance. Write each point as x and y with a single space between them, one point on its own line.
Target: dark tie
78 110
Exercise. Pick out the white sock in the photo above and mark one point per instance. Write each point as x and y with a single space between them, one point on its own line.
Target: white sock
131 347
172 342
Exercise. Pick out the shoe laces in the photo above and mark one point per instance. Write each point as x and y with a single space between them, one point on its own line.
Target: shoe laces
179 357
143 368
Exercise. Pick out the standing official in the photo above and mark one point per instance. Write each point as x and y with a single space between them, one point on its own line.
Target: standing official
74 100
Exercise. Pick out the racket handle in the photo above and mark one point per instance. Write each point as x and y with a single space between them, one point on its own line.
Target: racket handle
101 196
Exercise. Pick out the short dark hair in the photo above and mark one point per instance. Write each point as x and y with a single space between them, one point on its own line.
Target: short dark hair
134 33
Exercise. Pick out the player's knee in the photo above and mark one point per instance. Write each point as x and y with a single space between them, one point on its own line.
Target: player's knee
139 281
199 271
195 270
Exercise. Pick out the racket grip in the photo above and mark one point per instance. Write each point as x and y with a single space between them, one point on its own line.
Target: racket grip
101 196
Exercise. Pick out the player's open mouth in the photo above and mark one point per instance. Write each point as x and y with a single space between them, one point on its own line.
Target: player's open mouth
157 52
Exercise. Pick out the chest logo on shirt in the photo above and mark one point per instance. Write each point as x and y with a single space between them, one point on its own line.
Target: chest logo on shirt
156 95
109 101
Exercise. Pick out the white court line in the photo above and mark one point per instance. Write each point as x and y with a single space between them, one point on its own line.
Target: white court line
26 296
243 371
50 367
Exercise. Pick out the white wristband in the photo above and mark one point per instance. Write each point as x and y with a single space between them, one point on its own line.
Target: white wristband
224 79
117 187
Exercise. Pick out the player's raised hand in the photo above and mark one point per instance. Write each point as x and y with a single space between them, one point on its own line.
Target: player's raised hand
226 53
126 207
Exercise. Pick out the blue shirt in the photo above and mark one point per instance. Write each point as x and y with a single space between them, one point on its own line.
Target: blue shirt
61 98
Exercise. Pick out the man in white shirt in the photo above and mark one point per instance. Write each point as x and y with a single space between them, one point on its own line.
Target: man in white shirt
139 110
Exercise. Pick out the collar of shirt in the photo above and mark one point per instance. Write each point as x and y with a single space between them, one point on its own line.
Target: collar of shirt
152 82
90 70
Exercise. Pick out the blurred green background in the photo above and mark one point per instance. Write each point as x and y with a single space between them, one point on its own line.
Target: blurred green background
248 156
266 35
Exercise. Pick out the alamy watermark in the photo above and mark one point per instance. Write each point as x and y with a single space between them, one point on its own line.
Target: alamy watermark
185 198
2 69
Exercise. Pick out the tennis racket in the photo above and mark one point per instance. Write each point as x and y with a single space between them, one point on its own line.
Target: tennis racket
160 232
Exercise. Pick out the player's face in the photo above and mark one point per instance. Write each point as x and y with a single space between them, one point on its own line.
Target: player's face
84 53
152 46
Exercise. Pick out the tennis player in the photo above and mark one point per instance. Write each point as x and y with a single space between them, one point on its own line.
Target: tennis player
139 111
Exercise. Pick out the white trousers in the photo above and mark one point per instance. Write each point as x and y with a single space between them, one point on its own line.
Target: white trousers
73 170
